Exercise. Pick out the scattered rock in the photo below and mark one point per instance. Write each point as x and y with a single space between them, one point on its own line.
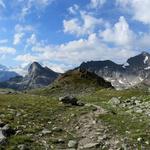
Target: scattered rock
72 144
91 145
114 101
2 124
46 131
2 138
7 131
22 147
57 129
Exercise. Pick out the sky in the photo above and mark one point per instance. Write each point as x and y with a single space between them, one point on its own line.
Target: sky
62 34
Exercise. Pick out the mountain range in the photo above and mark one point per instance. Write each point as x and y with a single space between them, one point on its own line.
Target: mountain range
134 73
37 77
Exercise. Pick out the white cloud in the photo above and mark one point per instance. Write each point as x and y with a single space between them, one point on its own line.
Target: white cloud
84 26
28 5
97 3
17 38
138 8
32 40
2 4
77 51
20 31
23 28
7 50
120 34
73 9
28 58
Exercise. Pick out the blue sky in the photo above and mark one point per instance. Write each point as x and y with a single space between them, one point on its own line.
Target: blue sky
63 33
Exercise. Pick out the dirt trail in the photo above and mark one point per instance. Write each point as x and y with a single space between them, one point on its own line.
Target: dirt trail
93 133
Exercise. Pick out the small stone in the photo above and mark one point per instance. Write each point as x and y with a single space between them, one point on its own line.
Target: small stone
2 124
46 131
147 142
2 137
57 129
22 147
91 145
139 139
72 144
114 101
7 131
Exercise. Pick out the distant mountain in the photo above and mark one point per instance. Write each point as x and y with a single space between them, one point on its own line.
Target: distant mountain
135 71
5 74
37 77
3 68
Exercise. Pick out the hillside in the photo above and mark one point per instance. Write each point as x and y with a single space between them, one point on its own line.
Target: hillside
77 81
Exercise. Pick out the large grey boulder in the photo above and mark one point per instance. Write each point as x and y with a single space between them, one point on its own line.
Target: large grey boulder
70 100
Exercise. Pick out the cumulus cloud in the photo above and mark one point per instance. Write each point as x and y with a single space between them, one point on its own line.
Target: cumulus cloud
77 51
138 8
120 34
82 26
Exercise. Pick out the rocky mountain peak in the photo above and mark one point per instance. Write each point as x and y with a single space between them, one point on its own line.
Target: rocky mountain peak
140 61
34 67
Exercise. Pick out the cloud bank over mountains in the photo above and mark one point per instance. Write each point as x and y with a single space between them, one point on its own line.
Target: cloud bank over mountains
63 37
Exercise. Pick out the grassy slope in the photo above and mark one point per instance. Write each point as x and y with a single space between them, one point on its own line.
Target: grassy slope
39 112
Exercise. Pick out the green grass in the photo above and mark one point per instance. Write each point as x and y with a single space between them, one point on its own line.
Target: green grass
36 113
32 113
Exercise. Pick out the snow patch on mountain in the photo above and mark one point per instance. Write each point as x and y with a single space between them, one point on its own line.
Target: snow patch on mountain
147 68
146 59
125 65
